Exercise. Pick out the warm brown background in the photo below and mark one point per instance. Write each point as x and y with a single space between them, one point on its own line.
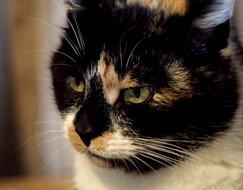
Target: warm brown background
24 37
32 146
34 184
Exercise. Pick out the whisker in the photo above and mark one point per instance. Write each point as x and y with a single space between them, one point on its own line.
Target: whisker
166 157
168 146
172 146
80 35
66 65
36 145
72 28
160 148
125 163
137 168
55 51
135 47
151 158
60 149
120 43
32 139
164 140
49 121
70 42
146 164
183 151
75 34
160 156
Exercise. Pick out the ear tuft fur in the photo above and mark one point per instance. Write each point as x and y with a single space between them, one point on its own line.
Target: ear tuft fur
72 5
218 12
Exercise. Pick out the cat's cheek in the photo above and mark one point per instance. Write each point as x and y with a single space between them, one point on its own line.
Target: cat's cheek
75 140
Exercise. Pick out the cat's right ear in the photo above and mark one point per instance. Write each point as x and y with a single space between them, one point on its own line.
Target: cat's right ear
73 5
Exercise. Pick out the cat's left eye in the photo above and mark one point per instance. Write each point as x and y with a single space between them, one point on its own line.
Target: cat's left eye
137 95
75 84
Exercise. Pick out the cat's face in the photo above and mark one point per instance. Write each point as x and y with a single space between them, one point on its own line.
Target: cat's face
143 84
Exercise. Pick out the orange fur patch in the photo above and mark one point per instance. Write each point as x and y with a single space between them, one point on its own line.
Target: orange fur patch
180 78
107 72
169 7
164 97
100 143
75 139
180 86
173 7
227 52
112 84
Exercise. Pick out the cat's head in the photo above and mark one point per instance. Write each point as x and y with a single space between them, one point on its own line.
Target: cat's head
142 84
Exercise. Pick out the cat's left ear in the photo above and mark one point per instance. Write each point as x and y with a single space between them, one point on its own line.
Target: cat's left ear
72 5
214 13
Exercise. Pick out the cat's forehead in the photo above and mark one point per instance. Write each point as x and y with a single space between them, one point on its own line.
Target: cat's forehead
204 13
149 13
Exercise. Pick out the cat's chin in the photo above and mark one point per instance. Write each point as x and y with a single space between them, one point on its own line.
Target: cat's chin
100 161
127 165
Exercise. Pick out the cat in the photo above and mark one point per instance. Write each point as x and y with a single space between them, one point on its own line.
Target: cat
150 92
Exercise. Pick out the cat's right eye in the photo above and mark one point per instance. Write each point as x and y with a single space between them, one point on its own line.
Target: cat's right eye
137 95
75 84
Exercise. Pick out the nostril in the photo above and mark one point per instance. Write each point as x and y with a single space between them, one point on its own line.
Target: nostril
85 135
86 139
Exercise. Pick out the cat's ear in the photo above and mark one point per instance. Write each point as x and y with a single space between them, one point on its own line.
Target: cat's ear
212 20
214 13
73 5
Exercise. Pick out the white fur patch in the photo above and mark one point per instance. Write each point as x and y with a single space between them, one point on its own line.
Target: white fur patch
68 121
117 147
109 78
220 12
112 95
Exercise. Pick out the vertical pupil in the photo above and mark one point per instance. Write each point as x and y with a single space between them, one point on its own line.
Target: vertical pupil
137 92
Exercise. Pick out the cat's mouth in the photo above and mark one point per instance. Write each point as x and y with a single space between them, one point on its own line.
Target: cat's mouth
101 150
110 163
101 161
135 164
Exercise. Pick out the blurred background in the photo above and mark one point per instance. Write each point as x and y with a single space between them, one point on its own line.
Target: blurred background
31 137
32 146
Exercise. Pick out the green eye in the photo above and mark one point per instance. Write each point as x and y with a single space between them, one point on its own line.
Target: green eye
76 85
137 95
